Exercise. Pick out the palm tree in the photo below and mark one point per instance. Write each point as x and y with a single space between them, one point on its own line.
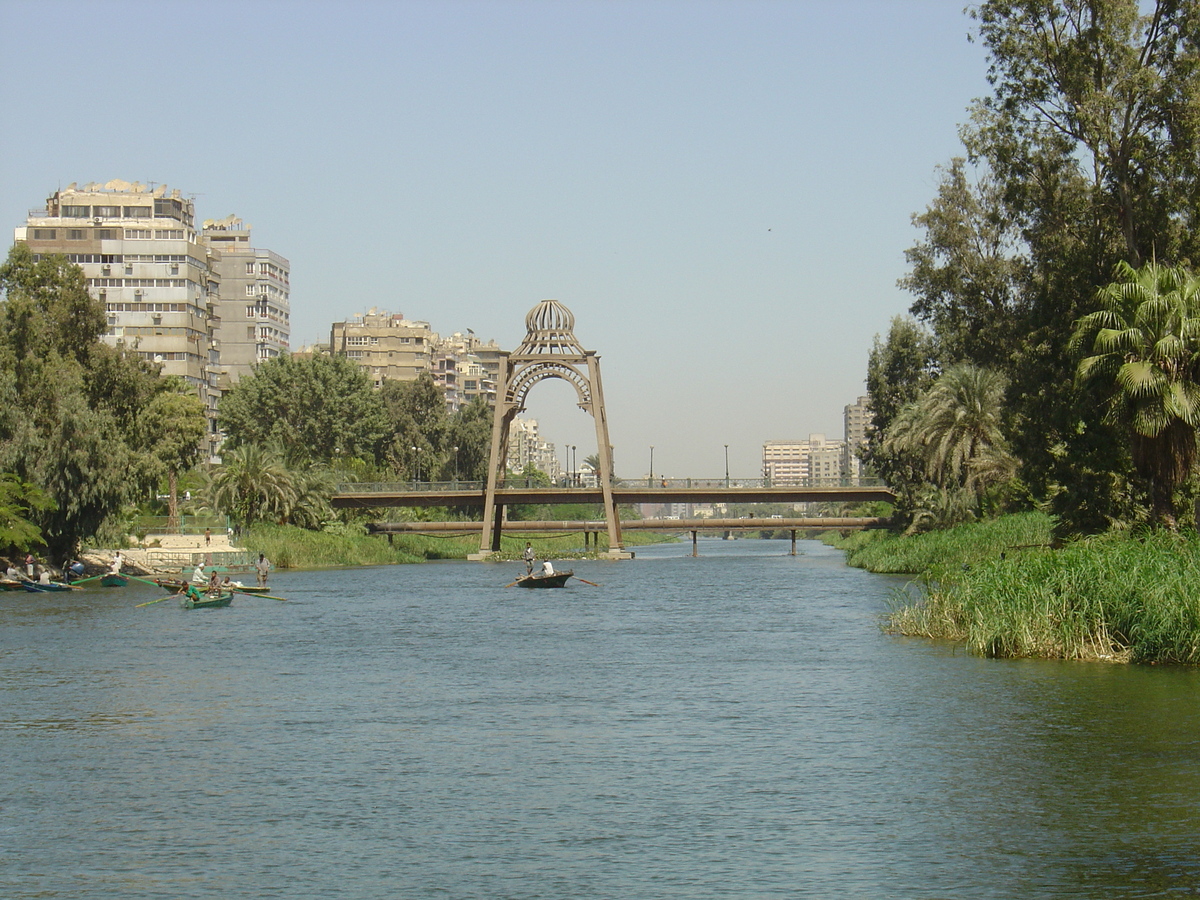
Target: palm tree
1144 343
252 482
955 428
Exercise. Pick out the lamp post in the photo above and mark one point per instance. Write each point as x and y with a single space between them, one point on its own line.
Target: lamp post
417 462
726 465
650 479
456 467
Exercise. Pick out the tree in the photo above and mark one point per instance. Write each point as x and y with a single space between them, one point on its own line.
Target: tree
416 412
955 427
319 408
18 499
1086 153
69 404
253 483
1144 343
171 427
470 431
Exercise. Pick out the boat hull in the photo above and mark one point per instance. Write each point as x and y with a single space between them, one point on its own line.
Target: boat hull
112 580
557 580
36 587
223 599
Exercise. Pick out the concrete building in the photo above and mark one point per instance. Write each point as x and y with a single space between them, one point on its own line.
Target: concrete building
856 418
142 257
815 461
388 346
254 306
525 447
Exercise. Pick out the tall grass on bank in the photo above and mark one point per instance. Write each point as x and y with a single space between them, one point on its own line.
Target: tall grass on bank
1120 596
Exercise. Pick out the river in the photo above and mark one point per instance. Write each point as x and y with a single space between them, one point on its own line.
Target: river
735 725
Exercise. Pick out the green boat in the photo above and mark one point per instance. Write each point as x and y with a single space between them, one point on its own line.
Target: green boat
207 601
112 579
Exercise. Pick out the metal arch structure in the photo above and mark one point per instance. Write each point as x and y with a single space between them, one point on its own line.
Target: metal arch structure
550 350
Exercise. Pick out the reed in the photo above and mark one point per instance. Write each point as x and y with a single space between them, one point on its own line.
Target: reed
1118 597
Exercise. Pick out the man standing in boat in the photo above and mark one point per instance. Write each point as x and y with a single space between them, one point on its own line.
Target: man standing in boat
262 567
529 558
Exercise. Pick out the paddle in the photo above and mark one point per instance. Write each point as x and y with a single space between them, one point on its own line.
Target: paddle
135 578
91 578
159 600
257 594
585 581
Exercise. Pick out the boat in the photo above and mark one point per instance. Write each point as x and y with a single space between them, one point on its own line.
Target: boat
208 601
171 584
537 580
113 579
11 584
251 589
38 587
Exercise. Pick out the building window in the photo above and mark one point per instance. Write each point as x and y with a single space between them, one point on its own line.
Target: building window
138 212
250 333
137 234
76 234
107 212
45 234
249 268
76 212
108 234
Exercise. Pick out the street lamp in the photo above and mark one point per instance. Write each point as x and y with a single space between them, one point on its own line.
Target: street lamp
650 480
417 461
456 467
726 465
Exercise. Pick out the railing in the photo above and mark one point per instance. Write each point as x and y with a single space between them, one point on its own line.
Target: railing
518 481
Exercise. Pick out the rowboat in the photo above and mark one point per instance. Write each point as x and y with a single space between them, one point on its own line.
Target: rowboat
208 601
557 580
37 587
10 584
252 589
112 579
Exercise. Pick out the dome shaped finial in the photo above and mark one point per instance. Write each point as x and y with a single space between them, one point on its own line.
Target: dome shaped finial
550 329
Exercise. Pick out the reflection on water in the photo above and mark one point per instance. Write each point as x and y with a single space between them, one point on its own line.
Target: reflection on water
730 726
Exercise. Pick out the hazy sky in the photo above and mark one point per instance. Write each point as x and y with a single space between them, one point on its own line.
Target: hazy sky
720 191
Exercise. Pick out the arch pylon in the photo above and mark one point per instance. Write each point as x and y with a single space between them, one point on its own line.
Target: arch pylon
550 350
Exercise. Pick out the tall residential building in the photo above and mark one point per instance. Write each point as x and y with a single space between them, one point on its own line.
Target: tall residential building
255 307
856 416
525 447
138 248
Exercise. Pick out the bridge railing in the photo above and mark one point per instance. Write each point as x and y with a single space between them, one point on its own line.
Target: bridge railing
518 481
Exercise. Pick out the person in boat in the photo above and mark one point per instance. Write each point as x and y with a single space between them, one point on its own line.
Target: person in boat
193 592
117 561
74 570
29 564
529 558
44 578
13 572
198 576
547 568
214 583
262 567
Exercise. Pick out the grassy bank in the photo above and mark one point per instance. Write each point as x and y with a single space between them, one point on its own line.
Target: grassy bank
290 547
999 588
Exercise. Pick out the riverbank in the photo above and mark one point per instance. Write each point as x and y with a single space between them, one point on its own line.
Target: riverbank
1002 590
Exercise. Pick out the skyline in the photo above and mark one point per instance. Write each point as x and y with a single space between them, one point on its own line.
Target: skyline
720 192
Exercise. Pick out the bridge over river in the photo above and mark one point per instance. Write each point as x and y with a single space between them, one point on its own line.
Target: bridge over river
675 491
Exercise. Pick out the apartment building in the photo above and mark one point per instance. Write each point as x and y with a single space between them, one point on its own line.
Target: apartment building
388 346
254 305
142 257
526 447
856 418
814 461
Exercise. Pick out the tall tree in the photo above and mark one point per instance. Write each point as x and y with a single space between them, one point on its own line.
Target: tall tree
469 441
1144 346
171 427
253 483
418 422
319 408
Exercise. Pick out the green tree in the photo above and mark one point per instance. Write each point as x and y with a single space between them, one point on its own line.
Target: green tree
469 430
1144 346
18 500
253 483
955 427
319 408
416 413
171 427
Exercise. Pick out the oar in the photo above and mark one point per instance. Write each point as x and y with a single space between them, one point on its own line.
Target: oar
92 578
257 594
585 581
159 600
135 578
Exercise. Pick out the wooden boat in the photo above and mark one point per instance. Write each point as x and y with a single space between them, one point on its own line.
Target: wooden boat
208 601
171 584
252 589
112 579
536 580
36 587
11 584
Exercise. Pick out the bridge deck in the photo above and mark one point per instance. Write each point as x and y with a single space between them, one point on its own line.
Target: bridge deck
768 524
547 495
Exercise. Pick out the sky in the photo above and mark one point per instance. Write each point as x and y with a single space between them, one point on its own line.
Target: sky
721 192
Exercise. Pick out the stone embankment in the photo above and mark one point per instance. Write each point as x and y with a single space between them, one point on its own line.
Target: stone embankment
170 554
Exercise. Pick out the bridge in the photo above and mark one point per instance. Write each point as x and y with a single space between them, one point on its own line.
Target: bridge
674 491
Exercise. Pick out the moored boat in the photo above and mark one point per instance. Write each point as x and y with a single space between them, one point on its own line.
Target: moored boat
557 580
38 587
11 584
113 579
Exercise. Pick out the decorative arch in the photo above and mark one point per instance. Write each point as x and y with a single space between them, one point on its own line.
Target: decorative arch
550 350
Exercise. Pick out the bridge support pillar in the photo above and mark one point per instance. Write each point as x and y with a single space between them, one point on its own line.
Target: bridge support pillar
695 548
793 542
